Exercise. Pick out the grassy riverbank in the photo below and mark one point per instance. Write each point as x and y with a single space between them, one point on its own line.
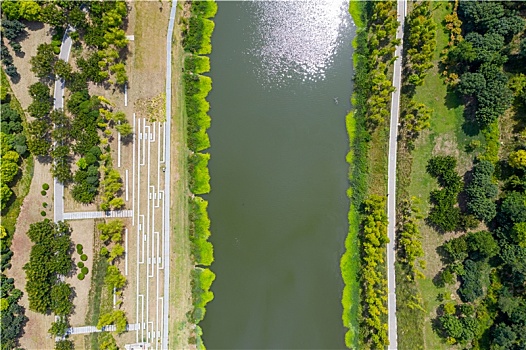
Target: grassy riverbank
197 32
354 122
364 309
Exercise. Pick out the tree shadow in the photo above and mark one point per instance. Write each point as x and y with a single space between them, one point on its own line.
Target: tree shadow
470 127
33 26
47 159
452 99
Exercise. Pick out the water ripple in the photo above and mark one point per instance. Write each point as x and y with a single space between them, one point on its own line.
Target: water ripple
296 40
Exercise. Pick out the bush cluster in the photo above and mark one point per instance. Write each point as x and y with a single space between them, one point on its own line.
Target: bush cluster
49 258
445 214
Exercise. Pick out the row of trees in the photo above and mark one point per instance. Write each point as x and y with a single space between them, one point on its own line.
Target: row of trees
410 251
421 43
197 32
12 148
415 118
111 235
12 31
197 88
202 249
373 274
50 257
199 174
445 214
381 44
13 315
39 141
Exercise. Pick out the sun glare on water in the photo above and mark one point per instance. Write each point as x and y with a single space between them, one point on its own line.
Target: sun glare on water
296 39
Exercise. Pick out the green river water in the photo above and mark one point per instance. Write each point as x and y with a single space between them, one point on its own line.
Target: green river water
281 84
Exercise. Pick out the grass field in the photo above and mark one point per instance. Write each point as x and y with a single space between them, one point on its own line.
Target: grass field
181 265
449 136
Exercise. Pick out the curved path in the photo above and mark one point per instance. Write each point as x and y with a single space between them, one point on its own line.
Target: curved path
391 182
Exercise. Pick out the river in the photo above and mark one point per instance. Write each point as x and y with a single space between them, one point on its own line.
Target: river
282 76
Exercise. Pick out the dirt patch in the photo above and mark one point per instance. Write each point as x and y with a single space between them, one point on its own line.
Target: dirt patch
154 109
37 326
36 35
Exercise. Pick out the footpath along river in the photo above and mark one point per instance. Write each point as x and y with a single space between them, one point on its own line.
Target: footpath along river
281 76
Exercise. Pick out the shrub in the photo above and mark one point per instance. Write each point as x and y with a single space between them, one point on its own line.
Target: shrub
84 270
44 205
83 257
80 276
45 187
104 251
79 248
43 192
80 264
43 213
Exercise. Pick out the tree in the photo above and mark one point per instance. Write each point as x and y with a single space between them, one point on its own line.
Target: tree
64 345
517 159
124 129
12 29
457 248
482 245
51 14
473 280
61 299
107 342
39 143
110 229
503 335
513 207
519 233
470 83
117 203
29 10
114 278
116 252
5 195
62 69
43 63
8 171
59 327
481 192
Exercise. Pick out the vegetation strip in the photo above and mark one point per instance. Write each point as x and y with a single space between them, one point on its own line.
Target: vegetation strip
15 181
197 32
365 311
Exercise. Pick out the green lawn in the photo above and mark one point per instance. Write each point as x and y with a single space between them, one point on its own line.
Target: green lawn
447 135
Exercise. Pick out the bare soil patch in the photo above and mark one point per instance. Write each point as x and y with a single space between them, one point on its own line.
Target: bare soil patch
36 35
35 336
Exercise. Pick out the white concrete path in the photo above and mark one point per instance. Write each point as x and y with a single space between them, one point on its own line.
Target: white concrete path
93 329
79 215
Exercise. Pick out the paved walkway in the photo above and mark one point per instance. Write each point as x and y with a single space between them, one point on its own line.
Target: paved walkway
93 329
97 214
391 182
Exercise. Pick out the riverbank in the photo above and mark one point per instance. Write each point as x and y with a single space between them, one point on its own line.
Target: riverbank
355 126
365 309
197 28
